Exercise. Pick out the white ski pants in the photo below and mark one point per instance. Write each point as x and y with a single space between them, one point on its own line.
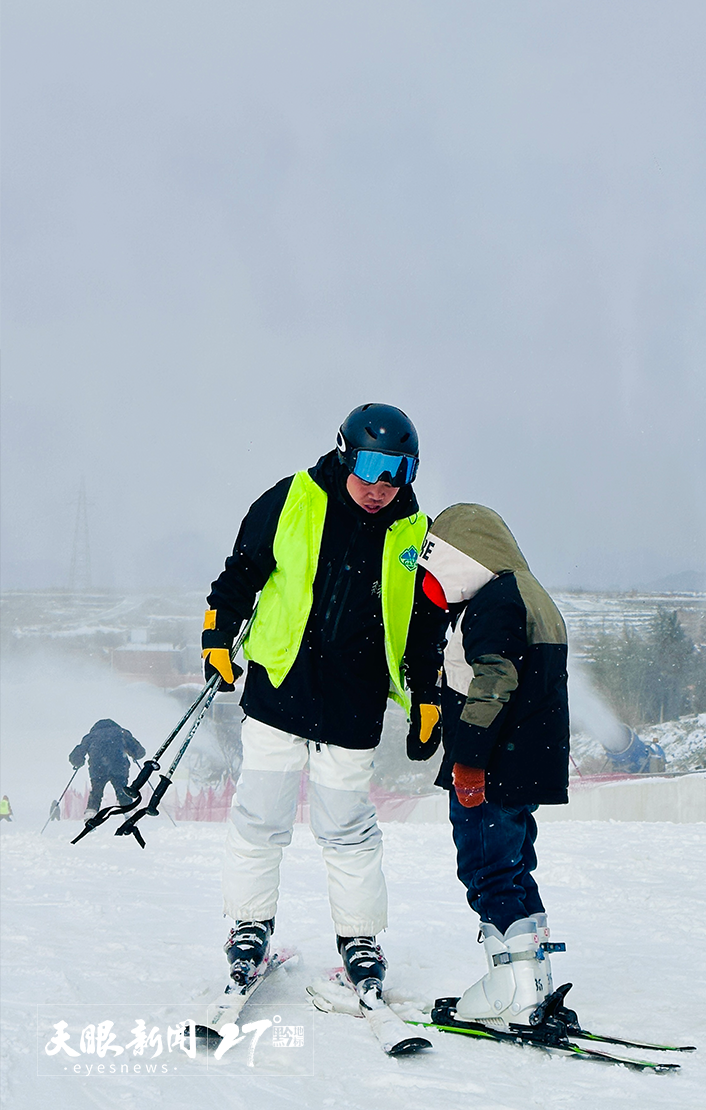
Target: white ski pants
342 819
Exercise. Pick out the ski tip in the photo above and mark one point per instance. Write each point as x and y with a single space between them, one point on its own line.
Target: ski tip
409 1046
206 1037
319 1002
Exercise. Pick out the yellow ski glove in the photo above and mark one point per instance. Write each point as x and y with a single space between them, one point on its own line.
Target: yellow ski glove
216 646
424 734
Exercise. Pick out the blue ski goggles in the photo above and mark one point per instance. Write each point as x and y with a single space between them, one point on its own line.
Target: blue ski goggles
376 466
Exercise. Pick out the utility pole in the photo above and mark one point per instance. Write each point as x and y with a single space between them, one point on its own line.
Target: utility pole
80 573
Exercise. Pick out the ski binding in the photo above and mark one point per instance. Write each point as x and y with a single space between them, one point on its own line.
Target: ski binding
550 1029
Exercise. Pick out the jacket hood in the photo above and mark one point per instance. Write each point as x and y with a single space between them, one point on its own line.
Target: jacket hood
469 545
105 723
482 535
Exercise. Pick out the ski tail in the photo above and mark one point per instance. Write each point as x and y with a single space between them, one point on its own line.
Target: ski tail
645 1046
564 1048
553 1013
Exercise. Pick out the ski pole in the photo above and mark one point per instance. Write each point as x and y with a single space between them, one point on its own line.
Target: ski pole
130 789
152 788
76 771
165 781
134 790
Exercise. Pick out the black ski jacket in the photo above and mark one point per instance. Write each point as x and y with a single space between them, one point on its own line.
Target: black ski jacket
107 746
337 689
525 749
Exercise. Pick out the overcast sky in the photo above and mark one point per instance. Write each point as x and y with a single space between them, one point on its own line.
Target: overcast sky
228 222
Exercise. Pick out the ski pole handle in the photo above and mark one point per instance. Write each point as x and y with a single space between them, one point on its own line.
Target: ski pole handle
159 792
130 826
133 790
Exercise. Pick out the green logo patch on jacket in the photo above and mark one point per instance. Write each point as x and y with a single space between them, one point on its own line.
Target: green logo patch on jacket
409 557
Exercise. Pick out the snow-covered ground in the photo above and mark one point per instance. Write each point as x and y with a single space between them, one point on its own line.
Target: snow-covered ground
106 930
105 923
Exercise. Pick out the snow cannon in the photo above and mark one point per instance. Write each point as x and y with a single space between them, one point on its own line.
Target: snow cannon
637 757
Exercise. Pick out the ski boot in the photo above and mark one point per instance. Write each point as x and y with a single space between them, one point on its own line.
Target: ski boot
88 813
247 949
518 978
363 962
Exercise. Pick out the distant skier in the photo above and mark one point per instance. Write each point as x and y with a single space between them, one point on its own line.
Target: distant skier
55 811
506 742
107 746
5 809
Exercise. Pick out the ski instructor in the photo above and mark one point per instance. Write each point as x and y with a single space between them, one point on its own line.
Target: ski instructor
340 626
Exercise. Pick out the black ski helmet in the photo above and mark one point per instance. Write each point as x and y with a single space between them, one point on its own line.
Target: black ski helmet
375 427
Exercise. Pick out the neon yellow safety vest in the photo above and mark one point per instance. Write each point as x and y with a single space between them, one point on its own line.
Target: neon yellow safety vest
286 599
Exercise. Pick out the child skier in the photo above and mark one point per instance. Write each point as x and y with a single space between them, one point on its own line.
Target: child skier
506 744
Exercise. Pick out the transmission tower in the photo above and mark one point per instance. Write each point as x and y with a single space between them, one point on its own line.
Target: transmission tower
80 573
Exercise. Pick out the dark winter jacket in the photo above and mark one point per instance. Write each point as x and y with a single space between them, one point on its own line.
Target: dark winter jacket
504 700
107 746
336 691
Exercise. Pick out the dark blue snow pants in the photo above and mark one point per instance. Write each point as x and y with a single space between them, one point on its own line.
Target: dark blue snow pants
99 781
495 859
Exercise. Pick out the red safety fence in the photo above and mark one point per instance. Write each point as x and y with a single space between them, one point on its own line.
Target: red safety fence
73 805
212 803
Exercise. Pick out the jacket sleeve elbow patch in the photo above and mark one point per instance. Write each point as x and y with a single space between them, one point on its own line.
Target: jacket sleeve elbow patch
480 713
494 680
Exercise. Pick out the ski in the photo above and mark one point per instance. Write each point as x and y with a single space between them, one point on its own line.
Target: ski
556 1031
226 1008
336 995
550 1036
553 1007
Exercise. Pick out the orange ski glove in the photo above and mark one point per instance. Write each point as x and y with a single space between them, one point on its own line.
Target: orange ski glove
469 783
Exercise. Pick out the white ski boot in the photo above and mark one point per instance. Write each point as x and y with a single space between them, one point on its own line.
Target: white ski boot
518 978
